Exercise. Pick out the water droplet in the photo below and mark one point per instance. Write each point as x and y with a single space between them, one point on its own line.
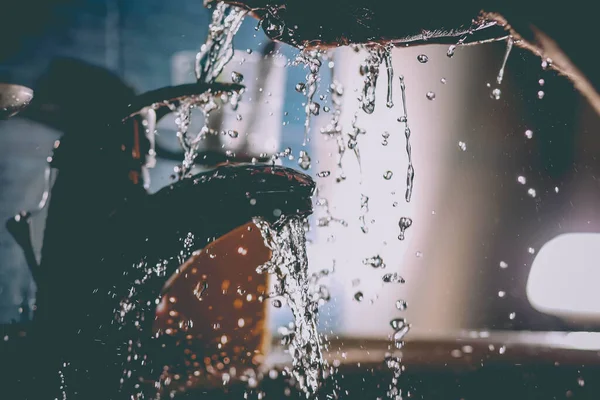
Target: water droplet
521 179
304 160
233 133
580 382
419 254
556 189
502 350
503 265
199 290
324 174
238 117
398 323
541 82
451 50
241 322
399 335
540 94
358 296
531 250
375 262
531 192
496 94
388 175
326 109
404 224
249 51
392 278
315 108
422 58
300 87
512 315
501 293
276 303
443 80
528 133
462 146
547 63
236 77
355 282
430 95
401 305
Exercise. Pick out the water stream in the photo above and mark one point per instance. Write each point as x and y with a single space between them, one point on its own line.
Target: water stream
289 265
312 60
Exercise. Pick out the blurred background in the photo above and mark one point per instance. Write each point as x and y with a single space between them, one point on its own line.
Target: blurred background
496 179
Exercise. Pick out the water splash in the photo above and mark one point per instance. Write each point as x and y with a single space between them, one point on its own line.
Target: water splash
509 46
370 70
304 160
218 49
206 103
364 210
353 141
289 264
392 278
387 58
375 262
395 365
461 41
312 60
401 305
410 174
328 218
334 128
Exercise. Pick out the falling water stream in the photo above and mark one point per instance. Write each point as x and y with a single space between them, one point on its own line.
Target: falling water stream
289 264
210 62
286 238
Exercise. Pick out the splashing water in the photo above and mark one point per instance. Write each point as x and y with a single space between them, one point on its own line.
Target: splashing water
218 49
370 70
410 174
214 55
509 45
328 218
387 58
312 60
496 92
304 160
375 262
364 210
392 278
334 127
289 264
395 365
353 141
207 103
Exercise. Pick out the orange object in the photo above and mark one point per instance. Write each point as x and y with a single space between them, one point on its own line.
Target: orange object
213 312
